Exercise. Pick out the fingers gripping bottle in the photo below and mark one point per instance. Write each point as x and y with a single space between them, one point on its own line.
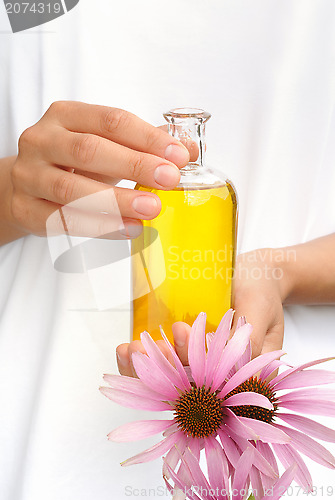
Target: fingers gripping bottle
182 263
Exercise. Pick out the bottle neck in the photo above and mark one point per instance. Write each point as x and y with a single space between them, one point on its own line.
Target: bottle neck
188 126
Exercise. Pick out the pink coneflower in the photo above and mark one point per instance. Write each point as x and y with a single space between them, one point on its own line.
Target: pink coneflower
300 429
196 486
199 413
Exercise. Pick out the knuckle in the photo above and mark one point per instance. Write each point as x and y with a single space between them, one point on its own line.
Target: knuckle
114 120
64 189
84 149
28 138
57 107
153 139
136 166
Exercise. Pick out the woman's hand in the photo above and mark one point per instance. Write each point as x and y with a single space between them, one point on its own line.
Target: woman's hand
260 289
80 152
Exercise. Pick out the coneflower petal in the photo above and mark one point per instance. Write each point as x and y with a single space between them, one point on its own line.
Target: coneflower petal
282 484
141 429
216 346
235 424
257 484
249 370
299 368
266 432
288 457
309 447
197 475
304 379
149 373
266 452
309 393
270 368
248 398
132 385
229 448
133 401
155 451
218 471
259 461
309 426
173 456
311 406
160 360
178 364
197 350
242 471
246 356
232 352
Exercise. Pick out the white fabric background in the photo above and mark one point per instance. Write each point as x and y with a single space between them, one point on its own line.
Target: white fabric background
265 70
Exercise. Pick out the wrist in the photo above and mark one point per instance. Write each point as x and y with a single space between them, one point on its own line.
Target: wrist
282 261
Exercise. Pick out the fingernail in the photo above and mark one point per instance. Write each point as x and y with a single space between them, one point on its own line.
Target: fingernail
167 175
180 340
177 154
122 361
145 205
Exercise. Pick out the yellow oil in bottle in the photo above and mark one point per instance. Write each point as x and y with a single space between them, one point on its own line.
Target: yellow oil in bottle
182 264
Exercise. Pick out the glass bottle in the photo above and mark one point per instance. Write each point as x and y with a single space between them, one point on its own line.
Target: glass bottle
182 263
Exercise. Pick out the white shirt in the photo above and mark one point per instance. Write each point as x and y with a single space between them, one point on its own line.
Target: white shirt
265 70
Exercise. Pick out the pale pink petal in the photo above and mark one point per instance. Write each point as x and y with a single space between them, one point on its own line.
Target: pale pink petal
304 379
245 358
309 393
267 433
178 364
132 385
155 451
256 483
194 446
175 477
217 465
299 368
308 426
194 467
312 406
249 370
171 430
259 461
282 484
153 377
270 368
209 338
229 447
133 401
242 471
197 350
217 345
232 352
248 398
309 447
173 456
234 424
134 431
288 456
242 320
266 452
160 360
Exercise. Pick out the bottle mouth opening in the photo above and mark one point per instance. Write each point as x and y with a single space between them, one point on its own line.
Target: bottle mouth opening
180 113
